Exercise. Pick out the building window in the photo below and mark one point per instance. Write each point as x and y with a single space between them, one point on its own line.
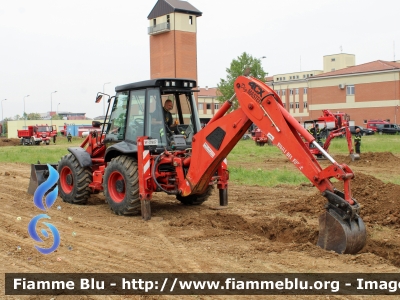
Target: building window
297 76
333 69
297 91
291 105
291 91
305 104
304 76
208 105
201 106
216 105
284 78
305 91
190 20
332 59
350 90
283 92
154 22
277 92
365 121
167 18
297 105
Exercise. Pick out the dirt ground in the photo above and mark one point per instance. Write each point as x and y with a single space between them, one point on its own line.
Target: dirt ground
262 230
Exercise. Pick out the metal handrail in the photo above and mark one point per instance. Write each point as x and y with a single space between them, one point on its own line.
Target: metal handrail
159 27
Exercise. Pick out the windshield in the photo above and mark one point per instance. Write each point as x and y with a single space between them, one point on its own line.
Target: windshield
44 128
116 126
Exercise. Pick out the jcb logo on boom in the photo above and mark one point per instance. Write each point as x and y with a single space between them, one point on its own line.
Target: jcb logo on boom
255 92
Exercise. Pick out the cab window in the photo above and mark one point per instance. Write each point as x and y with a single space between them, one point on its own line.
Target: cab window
135 124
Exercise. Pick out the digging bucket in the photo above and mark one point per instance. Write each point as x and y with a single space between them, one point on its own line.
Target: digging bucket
340 227
341 236
355 156
39 174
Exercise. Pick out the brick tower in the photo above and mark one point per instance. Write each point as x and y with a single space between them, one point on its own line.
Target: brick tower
173 39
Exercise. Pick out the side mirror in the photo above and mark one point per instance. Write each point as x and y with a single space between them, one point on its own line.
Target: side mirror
96 124
98 98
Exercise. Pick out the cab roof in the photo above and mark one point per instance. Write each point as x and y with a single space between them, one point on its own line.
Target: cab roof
159 82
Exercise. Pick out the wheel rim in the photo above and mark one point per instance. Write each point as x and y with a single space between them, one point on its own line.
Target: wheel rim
116 187
66 180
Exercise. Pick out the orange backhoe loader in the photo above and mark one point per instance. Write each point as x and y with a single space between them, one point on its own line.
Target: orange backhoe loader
134 153
330 125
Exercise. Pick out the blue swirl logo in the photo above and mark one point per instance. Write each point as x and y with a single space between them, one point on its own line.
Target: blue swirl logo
50 198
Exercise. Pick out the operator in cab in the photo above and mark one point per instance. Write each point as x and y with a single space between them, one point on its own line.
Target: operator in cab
168 119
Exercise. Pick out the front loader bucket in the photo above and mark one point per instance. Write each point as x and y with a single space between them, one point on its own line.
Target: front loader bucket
355 156
39 174
342 236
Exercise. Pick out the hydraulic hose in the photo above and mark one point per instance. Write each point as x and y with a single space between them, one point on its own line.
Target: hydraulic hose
153 172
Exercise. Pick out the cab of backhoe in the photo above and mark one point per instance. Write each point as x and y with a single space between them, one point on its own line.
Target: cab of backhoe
139 110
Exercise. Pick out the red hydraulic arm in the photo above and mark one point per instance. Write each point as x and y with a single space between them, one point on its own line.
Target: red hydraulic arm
260 105
339 132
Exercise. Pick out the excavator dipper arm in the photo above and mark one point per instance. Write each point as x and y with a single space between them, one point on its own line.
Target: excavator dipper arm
341 228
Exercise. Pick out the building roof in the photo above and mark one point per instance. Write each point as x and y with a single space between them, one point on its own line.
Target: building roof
269 78
209 92
165 7
374 66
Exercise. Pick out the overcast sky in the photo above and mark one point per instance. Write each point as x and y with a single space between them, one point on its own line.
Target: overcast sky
74 47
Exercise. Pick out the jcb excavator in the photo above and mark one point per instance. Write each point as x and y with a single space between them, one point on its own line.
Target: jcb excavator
134 153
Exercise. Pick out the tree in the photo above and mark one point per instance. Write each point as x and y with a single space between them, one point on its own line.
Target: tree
237 67
56 117
18 117
33 116
5 129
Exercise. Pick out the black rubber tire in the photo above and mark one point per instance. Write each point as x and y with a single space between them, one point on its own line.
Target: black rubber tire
78 191
196 199
125 169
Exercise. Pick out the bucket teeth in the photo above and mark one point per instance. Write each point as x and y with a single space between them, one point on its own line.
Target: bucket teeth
39 174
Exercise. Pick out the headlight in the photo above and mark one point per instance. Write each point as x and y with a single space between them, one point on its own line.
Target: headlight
167 83
172 83
191 84
185 84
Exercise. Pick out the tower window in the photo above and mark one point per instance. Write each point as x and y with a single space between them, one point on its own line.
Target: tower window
190 20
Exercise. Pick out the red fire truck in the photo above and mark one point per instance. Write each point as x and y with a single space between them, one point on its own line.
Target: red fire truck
36 134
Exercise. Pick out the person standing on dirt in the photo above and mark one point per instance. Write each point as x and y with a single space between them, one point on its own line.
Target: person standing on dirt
357 140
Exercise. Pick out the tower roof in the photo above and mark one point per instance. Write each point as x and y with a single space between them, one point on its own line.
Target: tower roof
165 7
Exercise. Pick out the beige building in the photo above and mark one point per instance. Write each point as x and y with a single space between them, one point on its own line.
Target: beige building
366 91
13 126
208 104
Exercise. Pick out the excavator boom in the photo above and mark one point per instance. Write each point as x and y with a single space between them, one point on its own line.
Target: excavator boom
341 228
